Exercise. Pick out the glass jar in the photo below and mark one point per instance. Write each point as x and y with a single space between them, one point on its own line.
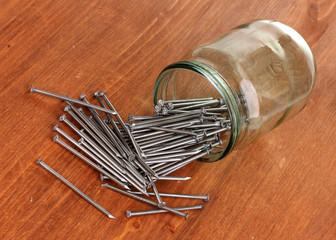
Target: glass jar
264 70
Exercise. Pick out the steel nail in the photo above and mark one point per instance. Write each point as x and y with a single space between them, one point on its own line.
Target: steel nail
185 215
218 102
183 132
165 140
156 192
138 213
151 161
72 187
167 120
109 161
89 162
95 130
110 134
103 163
102 177
205 198
103 144
184 100
171 178
33 90
110 119
182 163
172 155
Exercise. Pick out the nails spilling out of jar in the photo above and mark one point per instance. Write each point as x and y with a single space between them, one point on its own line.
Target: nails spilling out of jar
133 156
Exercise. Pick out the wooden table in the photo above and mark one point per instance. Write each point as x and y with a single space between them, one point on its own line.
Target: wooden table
281 187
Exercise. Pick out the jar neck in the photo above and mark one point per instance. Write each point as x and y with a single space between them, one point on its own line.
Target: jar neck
221 85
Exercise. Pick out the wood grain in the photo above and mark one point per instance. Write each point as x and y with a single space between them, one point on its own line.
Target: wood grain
281 187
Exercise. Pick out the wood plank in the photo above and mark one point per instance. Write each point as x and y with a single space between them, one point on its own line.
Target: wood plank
283 186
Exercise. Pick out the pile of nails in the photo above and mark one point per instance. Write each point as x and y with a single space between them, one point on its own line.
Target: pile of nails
135 155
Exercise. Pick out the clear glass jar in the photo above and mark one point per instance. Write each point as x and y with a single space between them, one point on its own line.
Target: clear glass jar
263 69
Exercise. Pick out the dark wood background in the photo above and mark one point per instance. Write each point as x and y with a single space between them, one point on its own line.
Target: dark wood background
281 187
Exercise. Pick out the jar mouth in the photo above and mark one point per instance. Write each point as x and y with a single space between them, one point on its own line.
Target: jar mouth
223 88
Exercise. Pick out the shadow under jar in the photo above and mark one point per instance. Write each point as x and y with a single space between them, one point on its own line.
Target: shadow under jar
264 70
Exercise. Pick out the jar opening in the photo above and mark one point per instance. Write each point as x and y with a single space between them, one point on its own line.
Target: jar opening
177 81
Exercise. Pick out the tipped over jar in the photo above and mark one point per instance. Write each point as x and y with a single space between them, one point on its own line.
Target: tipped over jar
263 70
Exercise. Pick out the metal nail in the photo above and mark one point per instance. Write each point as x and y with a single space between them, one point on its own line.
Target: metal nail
171 178
218 102
132 118
33 90
184 100
108 166
134 143
182 142
110 134
151 161
72 187
138 184
165 152
147 169
89 131
150 202
160 141
161 166
172 155
123 125
109 161
89 140
89 162
205 198
94 130
221 109
184 104
109 104
110 119
167 120
174 131
207 134
206 125
102 177
183 163
156 192
138 213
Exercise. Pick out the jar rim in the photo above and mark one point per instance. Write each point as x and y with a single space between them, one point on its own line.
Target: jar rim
221 85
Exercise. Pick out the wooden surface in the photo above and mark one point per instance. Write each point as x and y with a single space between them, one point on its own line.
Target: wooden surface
281 187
